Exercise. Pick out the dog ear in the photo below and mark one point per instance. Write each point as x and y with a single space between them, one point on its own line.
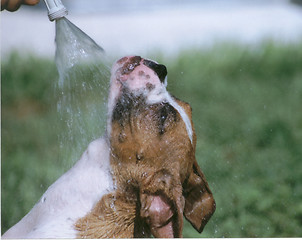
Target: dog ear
199 202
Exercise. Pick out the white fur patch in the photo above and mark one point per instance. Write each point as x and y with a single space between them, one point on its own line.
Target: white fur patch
71 197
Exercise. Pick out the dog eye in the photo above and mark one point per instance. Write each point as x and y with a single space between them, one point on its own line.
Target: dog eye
159 69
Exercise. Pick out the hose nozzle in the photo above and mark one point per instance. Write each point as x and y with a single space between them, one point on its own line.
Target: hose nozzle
55 9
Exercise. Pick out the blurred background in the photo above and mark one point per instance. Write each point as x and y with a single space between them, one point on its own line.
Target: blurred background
136 26
239 65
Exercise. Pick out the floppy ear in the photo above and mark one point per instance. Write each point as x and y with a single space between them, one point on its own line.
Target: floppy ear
199 202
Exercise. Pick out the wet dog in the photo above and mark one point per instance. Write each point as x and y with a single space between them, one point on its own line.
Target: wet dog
139 179
152 156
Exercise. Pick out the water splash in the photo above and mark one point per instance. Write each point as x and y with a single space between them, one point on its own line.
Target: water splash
81 90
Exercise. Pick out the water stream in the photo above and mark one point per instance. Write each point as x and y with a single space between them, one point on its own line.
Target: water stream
82 89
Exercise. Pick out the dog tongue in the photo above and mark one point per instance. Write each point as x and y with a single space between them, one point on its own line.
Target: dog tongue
158 214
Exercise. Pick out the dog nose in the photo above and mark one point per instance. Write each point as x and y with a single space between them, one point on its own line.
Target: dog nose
159 69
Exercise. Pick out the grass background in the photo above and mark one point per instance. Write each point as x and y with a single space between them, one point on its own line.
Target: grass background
248 117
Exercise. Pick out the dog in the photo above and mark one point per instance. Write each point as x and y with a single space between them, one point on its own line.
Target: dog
140 179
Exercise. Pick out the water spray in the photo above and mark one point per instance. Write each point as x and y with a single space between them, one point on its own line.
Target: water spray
56 9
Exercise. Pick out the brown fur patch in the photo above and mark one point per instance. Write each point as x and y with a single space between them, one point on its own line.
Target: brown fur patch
151 154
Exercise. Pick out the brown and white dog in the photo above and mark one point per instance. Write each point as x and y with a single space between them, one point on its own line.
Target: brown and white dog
140 179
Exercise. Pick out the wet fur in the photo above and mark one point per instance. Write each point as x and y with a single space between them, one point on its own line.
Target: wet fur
151 155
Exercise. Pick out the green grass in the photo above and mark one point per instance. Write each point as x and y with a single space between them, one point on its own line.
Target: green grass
248 118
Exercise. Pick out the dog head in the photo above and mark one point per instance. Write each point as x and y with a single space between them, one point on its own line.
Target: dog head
152 142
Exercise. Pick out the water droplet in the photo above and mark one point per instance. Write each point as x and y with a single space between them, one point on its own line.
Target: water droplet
112 206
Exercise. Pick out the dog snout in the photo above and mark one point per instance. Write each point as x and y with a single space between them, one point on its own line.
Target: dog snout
128 64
